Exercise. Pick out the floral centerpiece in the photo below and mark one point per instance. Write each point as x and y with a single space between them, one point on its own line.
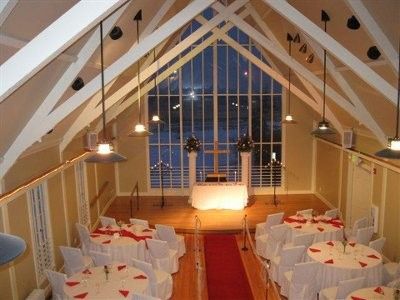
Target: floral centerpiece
245 143
192 144
344 242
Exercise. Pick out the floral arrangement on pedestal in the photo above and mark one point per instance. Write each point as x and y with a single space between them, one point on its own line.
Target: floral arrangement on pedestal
192 144
245 143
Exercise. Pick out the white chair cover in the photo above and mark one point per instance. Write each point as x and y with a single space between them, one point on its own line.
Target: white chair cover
344 288
378 244
74 261
100 258
364 235
84 236
300 283
285 262
136 296
107 221
274 241
141 222
391 271
176 242
305 212
162 257
394 283
57 281
360 223
271 220
332 213
302 239
160 281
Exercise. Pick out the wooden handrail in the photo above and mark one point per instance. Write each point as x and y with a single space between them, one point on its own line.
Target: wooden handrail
100 193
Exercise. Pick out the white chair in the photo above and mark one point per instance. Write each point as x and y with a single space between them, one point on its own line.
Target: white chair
74 260
141 222
100 258
271 220
137 296
57 281
332 213
107 221
268 245
305 212
285 262
160 281
360 223
391 271
341 291
363 235
84 236
176 242
162 257
394 283
300 283
378 244
302 239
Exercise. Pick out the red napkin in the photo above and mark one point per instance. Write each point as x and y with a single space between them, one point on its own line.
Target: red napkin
147 230
379 290
352 244
329 261
87 271
357 298
72 283
362 264
140 277
121 267
329 243
81 296
336 225
106 242
94 235
314 250
108 226
373 256
320 229
297 227
124 293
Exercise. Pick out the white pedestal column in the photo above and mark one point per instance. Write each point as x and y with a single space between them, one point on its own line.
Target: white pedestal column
245 156
192 171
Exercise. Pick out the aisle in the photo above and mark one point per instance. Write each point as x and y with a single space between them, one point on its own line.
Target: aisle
226 276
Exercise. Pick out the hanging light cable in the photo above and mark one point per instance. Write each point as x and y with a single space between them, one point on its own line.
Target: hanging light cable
289 118
155 119
104 153
140 130
393 149
323 125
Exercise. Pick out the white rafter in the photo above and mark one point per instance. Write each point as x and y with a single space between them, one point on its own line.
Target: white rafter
6 7
375 32
51 42
33 129
330 44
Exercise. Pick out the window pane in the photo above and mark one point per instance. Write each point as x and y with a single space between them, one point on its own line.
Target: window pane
232 70
175 119
222 69
208 70
222 121
277 137
256 130
267 117
208 119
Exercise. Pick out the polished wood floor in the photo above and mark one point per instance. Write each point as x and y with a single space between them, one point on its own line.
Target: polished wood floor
190 282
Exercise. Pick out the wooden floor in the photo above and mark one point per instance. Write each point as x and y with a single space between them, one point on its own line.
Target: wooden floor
190 282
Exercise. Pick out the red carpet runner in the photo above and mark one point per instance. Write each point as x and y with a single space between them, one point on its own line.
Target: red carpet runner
226 277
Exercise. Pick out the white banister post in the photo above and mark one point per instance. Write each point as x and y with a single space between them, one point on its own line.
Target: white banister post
192 169
245 157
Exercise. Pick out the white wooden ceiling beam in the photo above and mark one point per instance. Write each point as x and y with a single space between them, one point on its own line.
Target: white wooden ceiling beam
334 48
375 32
51 42
6 7
37 126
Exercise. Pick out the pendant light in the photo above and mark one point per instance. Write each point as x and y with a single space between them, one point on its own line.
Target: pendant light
393 149
323 125
11 247
140 130
104 153
155 119
289 118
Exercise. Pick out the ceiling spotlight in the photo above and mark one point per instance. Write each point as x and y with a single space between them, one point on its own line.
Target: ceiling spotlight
296 38
324 16
245 73
310 58
352 23
116 33
78 84
373 53
303 48
289 38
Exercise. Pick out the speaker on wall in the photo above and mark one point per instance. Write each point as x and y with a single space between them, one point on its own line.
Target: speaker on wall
90 141
348 139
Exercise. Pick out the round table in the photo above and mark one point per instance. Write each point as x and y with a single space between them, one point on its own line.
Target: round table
122 243
376 292
358 261
324 228
122 281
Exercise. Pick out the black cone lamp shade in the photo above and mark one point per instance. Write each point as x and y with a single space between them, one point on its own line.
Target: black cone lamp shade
139 130
104 152
393 149
323 126
289 118
11 247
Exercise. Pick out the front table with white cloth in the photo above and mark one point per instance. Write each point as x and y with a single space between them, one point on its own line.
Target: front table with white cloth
92 283
358 261
376 292
225 195
122 243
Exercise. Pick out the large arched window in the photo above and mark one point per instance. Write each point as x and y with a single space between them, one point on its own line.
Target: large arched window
240 99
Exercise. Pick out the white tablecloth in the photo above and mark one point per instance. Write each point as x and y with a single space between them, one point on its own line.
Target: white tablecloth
93 282
219 196
345 265
122 248
324 228
375 292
